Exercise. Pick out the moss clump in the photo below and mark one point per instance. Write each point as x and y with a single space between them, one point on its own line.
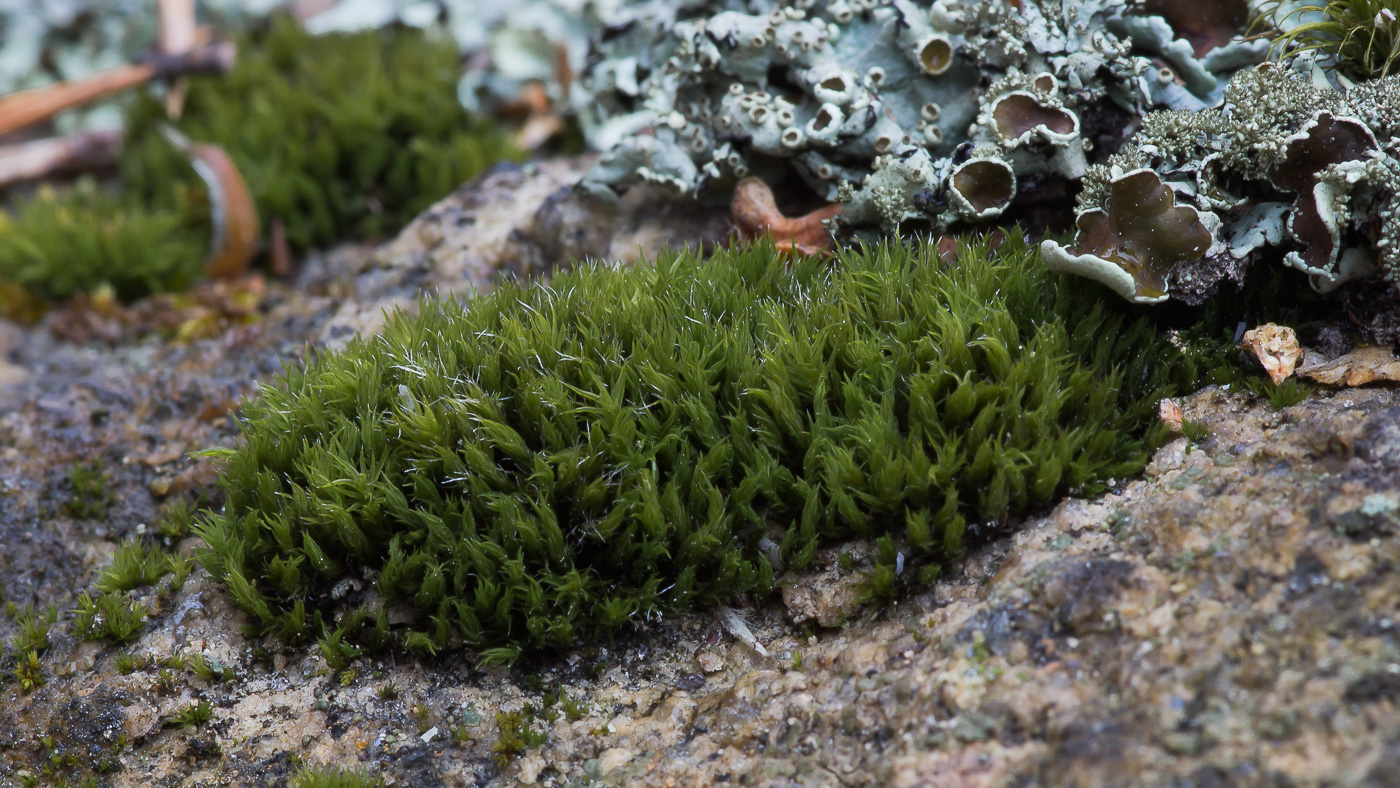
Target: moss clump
90 499
339 136
109 616
192 716
549 464
62 243
136 564
515 734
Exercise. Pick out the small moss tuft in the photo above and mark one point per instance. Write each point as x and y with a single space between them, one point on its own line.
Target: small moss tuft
29 671
135 565
548 465
193 716
1280 395
1195 431
127 663
327 777
109 616
32 633
515 734
209 669
176 523
574 709
90 499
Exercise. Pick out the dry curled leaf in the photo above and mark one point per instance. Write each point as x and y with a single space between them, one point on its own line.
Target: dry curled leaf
1357 368
235 217
1170 413
756 214
1276 349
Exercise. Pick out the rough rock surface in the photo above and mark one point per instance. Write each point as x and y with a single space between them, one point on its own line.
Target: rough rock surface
1231 619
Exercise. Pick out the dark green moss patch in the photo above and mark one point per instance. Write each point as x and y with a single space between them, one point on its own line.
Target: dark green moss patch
340 137
90 498
550 464
346 135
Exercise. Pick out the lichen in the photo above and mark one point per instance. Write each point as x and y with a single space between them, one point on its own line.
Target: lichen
910 114
1282 166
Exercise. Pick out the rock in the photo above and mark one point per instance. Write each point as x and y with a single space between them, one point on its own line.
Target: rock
1168 458
1357 368
612 759
829 595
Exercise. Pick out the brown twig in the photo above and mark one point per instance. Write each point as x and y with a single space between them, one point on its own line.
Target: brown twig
33 106
76 153
178 34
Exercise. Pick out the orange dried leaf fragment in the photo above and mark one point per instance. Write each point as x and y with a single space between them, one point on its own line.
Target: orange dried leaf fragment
756 214
1169 411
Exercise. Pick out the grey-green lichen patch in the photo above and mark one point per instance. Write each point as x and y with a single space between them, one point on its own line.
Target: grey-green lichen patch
910 114
1288 166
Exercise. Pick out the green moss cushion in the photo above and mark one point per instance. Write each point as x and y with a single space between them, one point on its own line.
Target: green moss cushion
549 464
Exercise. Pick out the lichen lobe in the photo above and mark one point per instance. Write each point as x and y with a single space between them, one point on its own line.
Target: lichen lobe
1142 231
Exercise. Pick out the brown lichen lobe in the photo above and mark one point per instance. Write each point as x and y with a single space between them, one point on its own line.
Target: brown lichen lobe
1020 113
756 214
1143 231
986 185
1325 141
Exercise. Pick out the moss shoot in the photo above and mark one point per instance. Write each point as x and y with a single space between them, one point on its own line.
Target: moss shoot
550 464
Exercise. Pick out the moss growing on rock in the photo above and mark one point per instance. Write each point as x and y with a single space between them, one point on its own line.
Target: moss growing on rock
550 464
339 135
329 777
62 243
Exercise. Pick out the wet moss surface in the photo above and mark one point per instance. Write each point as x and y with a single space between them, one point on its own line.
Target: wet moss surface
548 465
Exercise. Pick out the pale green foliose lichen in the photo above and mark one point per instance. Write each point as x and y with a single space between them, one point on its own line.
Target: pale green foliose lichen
1289 165
910 114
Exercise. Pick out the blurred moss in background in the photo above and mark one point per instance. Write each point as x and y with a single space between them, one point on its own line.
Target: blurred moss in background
343 136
